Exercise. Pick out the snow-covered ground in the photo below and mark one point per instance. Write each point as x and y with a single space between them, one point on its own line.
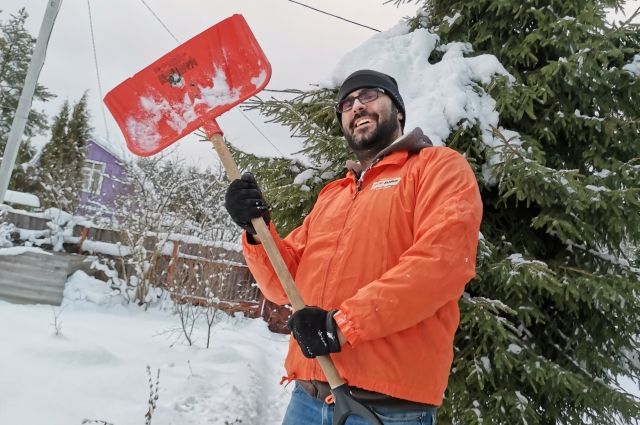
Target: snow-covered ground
96 368
87 360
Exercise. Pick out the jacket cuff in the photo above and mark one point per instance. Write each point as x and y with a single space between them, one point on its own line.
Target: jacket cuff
347 327
251 247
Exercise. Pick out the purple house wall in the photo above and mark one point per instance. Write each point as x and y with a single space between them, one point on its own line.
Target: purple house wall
103 175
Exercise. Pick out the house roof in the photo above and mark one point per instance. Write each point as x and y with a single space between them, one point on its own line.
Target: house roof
117 152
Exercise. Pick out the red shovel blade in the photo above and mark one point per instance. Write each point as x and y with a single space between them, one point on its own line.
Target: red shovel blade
199 80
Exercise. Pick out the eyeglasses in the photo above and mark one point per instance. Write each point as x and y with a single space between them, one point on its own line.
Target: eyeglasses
365 96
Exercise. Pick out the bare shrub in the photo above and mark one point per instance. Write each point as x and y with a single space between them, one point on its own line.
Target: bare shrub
152 402
164 199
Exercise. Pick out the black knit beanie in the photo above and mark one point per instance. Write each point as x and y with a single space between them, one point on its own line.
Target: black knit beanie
370 79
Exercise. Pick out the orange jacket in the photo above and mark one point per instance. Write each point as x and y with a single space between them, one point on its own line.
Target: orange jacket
392 253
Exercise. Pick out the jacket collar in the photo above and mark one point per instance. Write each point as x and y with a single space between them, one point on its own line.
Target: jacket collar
411 143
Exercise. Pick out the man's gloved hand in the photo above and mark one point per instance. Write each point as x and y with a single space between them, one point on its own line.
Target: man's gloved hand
315 330
244 201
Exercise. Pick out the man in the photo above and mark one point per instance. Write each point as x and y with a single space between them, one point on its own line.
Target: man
383 258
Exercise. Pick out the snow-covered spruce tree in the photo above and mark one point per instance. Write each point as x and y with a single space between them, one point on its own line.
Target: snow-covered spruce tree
63 157
24 177
16 48
561 201
552 321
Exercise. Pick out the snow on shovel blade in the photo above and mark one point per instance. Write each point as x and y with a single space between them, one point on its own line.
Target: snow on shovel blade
199 80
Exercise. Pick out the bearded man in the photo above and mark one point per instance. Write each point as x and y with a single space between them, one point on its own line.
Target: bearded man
381 262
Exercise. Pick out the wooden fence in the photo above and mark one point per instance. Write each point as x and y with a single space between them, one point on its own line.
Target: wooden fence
200 269
193 272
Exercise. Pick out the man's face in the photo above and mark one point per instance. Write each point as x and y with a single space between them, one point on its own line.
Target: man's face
371 126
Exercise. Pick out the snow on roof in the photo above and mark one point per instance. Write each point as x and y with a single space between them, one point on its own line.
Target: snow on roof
22 198
117 151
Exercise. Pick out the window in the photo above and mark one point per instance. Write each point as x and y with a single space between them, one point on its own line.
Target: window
92 174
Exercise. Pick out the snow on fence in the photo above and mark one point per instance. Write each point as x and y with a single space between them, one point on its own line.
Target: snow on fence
192 270
184 265
181 261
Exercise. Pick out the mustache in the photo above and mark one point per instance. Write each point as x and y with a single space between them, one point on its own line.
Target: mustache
356 117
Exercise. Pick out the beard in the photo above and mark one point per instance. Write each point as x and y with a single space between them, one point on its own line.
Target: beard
375 140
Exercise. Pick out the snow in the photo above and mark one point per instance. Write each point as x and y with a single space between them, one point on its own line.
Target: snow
634 66
596 188
21 198
113 147
304 176
19 250
515 349
144 130
105 248
579 114
88 359
450 20
259 80
57 216
118 249
603 174
220 93
486 363
96 367
438 97
518 260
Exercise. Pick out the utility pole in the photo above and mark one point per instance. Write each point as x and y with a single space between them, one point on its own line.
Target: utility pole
26 97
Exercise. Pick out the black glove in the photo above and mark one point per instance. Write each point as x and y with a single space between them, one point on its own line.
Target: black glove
244 201
315 330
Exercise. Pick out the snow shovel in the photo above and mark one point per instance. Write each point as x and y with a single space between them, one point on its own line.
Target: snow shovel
185 90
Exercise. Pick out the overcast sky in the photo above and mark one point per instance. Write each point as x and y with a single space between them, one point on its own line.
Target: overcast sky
302 45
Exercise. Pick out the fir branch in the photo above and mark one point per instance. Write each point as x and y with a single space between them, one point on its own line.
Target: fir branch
624 24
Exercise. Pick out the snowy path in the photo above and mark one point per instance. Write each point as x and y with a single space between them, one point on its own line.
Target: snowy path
97 368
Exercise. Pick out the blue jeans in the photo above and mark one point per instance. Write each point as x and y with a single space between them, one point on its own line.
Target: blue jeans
306 410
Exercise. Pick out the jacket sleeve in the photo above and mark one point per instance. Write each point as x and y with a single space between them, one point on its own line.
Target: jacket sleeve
433 271
291 249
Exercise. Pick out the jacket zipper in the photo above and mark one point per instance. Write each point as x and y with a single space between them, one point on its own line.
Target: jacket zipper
359 183
333 256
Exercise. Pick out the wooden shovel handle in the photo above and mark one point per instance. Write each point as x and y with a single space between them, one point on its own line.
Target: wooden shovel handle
289 286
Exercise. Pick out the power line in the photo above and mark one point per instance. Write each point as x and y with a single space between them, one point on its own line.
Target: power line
160 20
178 41
259 131
335 16
95 61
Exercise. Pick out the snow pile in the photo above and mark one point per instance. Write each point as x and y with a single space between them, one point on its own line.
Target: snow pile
5 233
96 368
57 216
81 288
60 230
438 97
